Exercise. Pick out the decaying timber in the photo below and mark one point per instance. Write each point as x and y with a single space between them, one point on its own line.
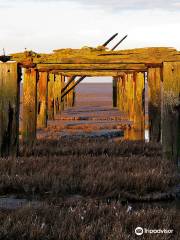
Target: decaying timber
29 106
171 110
128 68
9 109
42 100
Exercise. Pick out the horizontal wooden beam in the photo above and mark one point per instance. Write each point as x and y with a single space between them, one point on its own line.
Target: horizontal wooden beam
89 73
94 67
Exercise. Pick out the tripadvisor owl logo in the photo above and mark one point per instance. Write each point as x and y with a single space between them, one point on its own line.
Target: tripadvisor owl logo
139 231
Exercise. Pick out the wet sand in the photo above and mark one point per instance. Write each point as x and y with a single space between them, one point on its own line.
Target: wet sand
92 116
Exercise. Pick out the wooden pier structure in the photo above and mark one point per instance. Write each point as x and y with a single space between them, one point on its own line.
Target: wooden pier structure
48 88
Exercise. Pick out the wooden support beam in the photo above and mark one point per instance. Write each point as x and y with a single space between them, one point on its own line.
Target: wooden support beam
120 93
51 103
9 109
88 73
42 100
114 83
130 96
119 82
63 100
72 94
29 106
70 80
95 67
171 111
57 93
154 103
139 104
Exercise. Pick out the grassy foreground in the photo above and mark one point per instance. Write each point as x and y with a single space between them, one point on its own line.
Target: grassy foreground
97 170
88 221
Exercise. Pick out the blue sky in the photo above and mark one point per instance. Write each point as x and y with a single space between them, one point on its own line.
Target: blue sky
44 25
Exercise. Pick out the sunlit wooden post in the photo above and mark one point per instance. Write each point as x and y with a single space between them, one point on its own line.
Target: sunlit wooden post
154 103
171 110
57 93
139 116
125 95
51 104
115 90
29 106
130 96
42 100
9 109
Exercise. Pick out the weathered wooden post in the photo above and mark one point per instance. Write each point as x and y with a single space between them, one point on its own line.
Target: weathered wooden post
115 90
29 106
62 86
130 96
74 98
139 104
42 100
154 103
171 111
51 103
70 95
120 94
57 93
125 95
9 108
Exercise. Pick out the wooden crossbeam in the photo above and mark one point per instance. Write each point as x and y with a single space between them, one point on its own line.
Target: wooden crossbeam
96 67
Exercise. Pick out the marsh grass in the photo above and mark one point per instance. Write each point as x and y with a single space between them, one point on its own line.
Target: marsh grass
92 168
91 220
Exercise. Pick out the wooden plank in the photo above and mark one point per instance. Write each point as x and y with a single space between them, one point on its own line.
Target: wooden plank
9 109
87 73
96 67
51 102
171 111
154 103
29 106
42 100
